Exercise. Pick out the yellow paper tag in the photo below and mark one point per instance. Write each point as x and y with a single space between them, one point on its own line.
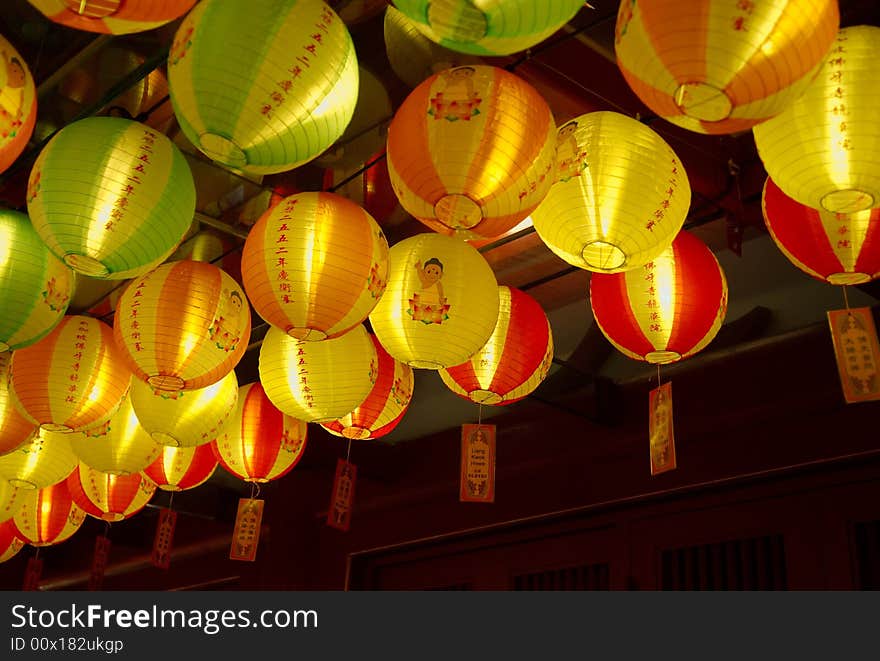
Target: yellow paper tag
662 438
246 534
161 556
342 496
857 353
99 562
477 481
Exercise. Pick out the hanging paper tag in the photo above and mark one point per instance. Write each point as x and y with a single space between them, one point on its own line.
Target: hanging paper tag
246 534
342 496
161 556
99 562
477 482
32 574
662 438
857 353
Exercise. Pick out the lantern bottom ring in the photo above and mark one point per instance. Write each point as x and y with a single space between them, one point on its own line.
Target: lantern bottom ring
164 438
603 256
86 265
306 334
22 484
848 278
94 9
661 357
703 101
166 382
112 516
485 397
458 211
356 433
53 426
847 200
222 149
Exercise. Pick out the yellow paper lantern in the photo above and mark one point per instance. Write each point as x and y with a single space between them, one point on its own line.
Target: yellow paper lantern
14 428
441 302
10 541
109 497
18 104
263 87
10 499
72 379
317 381
471 151
49 516
620 198
315 265
183 326
182 468
714 66
46 459
824 149
112 16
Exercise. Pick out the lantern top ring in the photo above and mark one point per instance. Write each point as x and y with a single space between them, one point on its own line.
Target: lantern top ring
662 357
847 200
222 149
603 256
458 211
86 265
703 101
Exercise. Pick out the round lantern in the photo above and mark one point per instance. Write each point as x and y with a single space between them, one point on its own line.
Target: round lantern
185 418
14 429
183 326
262 443
315 265
111 197
488 28
109 497
514 360
10 540
669 309
72 379
621 194
441 302
823 150
317 381
113 16
714 66
471 151
45 460
179 469
839 248
35 287
263 87
10 499
385 404
49 516
18 104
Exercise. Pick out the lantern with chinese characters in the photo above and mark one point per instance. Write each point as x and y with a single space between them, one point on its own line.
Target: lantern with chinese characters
183 326
10 499
109 497
271 99
441 302
315 265
839 248
515 359
73 379
14 429
669 309
715 66
18 104
262 443
10 540
185 418
823 150
488 28
49 516
621 194
111 197
46 459
182 468
113 16
471 151
317 381
384 406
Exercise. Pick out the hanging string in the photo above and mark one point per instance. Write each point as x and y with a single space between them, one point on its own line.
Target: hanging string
658 375
171 501
348 452
479 413
37 553
845 297
107 529
255 490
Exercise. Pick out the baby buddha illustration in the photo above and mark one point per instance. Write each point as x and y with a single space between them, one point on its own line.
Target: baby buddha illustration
428 304
225 331
570 160
457 98
11 95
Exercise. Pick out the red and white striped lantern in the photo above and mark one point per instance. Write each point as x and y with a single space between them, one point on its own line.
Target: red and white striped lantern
113 16
10 540
109 497
49 516
182 468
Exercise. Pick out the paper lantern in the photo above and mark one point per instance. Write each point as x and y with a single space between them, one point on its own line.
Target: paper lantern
823 150
669 309
262 443
471 151
182 468
14 429
113 16
317 381
489 28
621 194
315 265
10 541
263 87
72 379
49 516
109 497
46 459
111 197
713 66
183 326
514 360
10 499
385 404
440 305
18 104
185 418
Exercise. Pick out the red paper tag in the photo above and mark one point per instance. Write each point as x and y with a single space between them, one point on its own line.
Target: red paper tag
161 556
99 562
857 353
662 438
342 497
32 574
246 534
477 482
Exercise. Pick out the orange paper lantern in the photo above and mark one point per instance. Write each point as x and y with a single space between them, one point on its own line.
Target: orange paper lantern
46 459
109 497
18 104
14 429
10 540
182 468
49 516
113 16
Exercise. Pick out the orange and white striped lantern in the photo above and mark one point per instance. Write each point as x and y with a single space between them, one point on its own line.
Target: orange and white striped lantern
182 468
18 104
471 151
315 265
262 443
384 406
182 326
109 497
716 66
46 459
669 309
14 428
838 248
73 379
10 499
10 541
49 516
441 302
515 359
113 16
